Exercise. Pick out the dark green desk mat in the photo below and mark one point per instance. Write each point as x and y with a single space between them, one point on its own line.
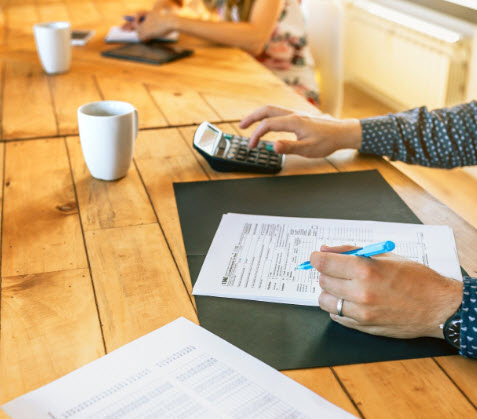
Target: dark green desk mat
282 335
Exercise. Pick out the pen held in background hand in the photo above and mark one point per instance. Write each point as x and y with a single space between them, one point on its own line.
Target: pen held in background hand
129 18
366 251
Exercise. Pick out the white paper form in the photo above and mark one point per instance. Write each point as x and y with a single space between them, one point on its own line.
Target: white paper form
116 34
177 371
255 257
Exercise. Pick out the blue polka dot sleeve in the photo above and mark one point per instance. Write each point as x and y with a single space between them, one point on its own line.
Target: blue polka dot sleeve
441 138
468 330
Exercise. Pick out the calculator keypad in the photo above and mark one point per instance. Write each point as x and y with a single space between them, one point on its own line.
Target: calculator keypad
259 156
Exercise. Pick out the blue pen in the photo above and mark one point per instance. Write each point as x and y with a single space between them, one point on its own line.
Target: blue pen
129 18
366 251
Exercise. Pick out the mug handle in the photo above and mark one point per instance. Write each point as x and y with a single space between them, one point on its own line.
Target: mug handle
136 123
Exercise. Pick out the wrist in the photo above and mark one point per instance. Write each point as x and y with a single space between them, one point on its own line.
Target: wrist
451 302
351 134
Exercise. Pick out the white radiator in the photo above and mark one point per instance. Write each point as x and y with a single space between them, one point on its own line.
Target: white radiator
405 61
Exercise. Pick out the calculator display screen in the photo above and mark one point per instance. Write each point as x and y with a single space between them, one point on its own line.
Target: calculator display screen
207 140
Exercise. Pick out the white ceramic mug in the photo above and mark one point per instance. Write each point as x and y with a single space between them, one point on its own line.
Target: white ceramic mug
53 43
108 130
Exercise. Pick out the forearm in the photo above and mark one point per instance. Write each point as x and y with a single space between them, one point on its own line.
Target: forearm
442 138
245 35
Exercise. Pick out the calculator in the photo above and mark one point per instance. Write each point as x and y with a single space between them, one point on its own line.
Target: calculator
230 153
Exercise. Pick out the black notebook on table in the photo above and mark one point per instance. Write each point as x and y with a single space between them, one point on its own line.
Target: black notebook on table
290 336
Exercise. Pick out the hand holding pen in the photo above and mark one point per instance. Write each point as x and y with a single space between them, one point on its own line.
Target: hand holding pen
388 295
366 251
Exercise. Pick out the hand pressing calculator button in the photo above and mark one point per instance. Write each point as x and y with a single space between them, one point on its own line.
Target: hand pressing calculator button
230 153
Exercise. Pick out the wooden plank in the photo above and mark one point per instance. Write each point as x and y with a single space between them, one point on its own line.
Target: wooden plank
138 287
404 389
53 11
27 108
41 229
3 26
134 92
70 91
135 5
463 372
323 382
20 18
454 188
108 204
182 107
162 159
82 13
231 107
50 327
111 10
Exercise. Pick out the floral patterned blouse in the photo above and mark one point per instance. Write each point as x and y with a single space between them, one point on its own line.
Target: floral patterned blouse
287 53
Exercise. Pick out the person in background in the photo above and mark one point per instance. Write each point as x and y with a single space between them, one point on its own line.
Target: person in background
273 31
388 295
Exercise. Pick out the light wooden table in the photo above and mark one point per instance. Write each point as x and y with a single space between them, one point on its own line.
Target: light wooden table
88 266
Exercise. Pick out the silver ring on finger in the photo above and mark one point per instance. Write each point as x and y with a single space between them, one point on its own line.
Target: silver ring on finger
339 307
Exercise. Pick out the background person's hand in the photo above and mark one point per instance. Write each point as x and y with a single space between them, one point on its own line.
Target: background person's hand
160 5
155 25
318 136
138 16
385 295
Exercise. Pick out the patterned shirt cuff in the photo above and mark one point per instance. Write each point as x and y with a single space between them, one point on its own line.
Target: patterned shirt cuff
468 330
378 135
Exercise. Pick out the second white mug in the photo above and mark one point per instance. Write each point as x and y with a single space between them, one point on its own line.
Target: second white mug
53 44
108 130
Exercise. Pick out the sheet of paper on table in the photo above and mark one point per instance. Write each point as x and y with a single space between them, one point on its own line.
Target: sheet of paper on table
118 35
179 370
254 257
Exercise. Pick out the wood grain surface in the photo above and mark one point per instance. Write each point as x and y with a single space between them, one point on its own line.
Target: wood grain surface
87 266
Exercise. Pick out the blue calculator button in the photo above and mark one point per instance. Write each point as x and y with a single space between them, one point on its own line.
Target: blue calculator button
269 147
228 136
